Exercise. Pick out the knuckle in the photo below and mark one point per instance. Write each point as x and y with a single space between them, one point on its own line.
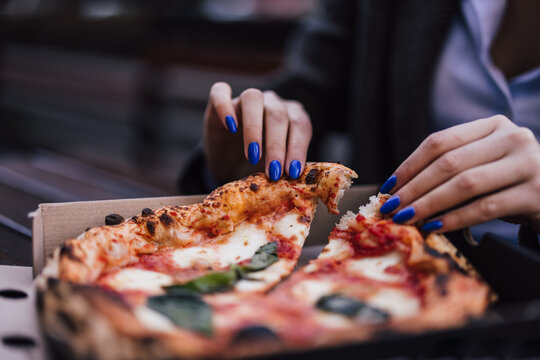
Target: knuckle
535 183
534 162
276 115
526 135
468 182
500 120
270 94
449 163
251 93
435 141
218 86
488 208
275 149
296 105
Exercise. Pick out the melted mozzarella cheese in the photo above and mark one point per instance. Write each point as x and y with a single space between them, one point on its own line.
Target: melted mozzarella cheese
374 267
138 279
152 319
270 275
312 290
228 249
397 302
289 226
337 249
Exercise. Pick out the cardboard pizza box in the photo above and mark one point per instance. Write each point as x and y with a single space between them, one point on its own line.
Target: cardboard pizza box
54 223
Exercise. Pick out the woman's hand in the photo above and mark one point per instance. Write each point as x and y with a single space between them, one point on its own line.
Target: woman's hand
478 171
234 139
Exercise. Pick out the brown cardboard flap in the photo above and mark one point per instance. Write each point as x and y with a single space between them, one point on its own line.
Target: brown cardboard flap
54 223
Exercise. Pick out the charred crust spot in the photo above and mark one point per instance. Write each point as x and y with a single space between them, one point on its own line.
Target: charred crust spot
458 254
68 251
441 280
135 219
147 212
254 187
304 219
151 226
335 162
113 219
311 177
68 321
88 228
454 265
52 283
313 189
431 251
166 219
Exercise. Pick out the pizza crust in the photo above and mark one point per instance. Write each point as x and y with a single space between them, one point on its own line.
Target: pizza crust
83 259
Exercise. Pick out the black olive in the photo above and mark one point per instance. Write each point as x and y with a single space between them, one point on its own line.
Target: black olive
113 219
254 333
340 304
351 307
147 211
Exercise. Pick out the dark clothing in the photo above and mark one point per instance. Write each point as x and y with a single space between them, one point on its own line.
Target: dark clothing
364 68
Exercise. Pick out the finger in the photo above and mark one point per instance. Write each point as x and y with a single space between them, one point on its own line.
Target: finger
505 203
465 186
483 151
220 99
276 129
300 132
251 103
444 141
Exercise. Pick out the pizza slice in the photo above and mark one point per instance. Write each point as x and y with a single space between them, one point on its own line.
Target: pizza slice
145 275
373 275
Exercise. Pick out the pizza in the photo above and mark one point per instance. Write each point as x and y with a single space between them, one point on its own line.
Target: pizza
216 279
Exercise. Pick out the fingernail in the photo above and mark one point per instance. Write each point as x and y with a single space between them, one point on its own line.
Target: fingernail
274 170
389 184
432 226
253 153
231 124
390 205
404 215
294 169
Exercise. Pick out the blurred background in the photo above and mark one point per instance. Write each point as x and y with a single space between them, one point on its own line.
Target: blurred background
103 99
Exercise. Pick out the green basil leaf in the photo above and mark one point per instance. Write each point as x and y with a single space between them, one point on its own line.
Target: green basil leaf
260 261
225 280
207 284
351 307
269 248
186 311
265 256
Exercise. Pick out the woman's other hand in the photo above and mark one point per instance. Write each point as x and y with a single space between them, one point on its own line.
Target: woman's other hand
474 172
254 131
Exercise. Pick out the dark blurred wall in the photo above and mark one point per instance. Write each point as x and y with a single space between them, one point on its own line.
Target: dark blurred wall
121 85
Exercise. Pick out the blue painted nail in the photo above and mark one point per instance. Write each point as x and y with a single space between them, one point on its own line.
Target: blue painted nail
432 226
274 170
404 215
231 124
390 205
389 184
253 153
294 169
